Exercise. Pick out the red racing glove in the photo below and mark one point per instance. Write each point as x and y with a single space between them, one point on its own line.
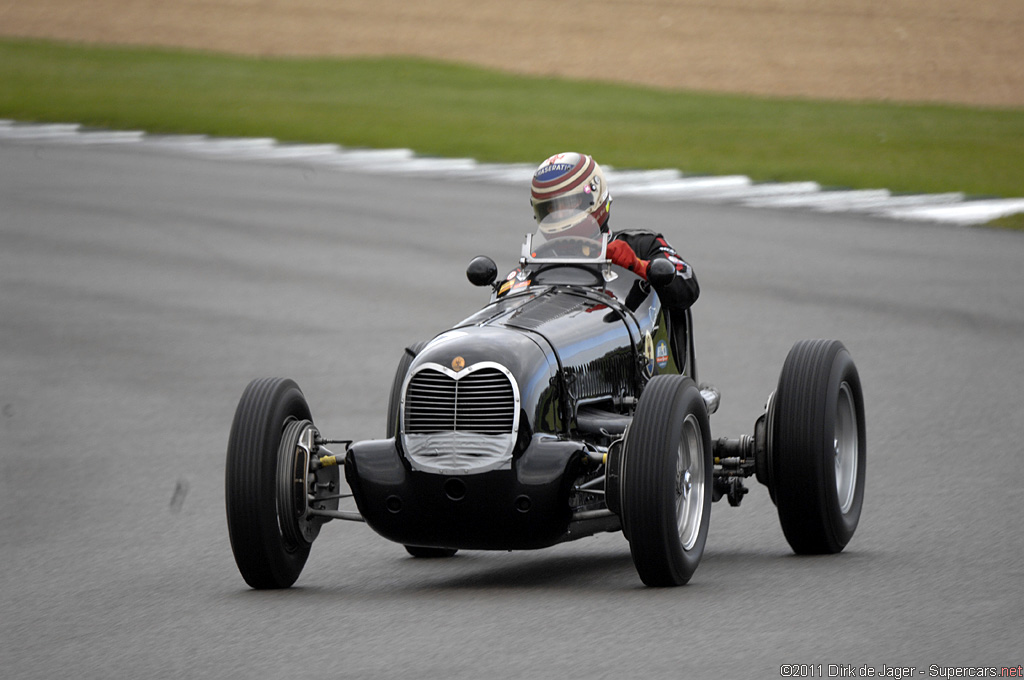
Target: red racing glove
621 254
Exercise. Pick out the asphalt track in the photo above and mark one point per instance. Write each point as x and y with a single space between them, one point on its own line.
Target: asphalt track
140 290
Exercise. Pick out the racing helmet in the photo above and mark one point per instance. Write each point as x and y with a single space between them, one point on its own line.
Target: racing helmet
570 196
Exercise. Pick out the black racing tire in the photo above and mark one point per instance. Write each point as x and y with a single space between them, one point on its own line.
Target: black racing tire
818 449
267 555
666 481
429 553
395 400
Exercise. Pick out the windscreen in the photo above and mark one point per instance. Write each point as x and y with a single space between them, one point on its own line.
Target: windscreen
568 236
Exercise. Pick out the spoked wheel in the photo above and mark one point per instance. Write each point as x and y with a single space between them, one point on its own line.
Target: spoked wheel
818 447
667 480
267 484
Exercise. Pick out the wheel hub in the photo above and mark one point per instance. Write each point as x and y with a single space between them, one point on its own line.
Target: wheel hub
845 446
689 483
299 485
684 484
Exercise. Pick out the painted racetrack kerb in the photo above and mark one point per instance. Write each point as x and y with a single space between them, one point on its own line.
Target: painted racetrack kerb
663 185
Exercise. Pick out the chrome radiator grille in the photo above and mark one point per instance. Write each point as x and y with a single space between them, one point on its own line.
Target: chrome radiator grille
482 401
462 422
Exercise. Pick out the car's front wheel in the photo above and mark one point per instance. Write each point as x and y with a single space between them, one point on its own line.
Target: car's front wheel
265 481
666 481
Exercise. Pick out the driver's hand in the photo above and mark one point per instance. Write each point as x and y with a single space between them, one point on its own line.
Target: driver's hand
621 254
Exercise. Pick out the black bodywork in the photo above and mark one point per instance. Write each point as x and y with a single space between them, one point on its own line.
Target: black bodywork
567 406
577 345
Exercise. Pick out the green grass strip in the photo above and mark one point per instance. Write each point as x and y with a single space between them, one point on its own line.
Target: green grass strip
460 111
1011 222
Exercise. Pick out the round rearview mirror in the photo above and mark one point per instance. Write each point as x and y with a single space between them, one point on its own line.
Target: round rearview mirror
661 272
482 271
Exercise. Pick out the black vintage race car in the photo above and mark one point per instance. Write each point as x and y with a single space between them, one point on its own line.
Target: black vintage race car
569 405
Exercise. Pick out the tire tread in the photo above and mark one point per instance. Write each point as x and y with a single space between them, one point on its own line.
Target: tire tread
250 483
801 477
648 502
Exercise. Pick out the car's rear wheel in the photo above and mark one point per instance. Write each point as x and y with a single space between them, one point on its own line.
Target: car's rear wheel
666 481
817 447
270 536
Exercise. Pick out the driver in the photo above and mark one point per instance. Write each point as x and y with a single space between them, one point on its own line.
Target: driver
575 183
